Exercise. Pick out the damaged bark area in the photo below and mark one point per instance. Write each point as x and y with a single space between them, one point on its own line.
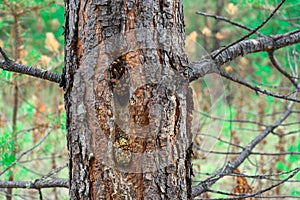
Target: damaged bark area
128 101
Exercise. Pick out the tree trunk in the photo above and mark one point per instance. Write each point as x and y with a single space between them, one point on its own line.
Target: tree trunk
127 99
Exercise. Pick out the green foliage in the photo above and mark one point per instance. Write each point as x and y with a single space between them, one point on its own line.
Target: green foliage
5 75
7 148
63 118
33 56
294 148
295 192
282 166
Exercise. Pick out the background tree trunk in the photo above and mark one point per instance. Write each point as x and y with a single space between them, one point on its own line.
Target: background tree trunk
128 102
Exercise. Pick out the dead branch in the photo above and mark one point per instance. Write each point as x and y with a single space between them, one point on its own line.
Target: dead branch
12 66
37 184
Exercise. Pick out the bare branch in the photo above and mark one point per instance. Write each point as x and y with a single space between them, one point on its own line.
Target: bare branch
37 184
253 31
231 120
230 167
40 194
221 18
29 150
12 66
208 65
55 171
256 88
258 45
252 153
277 65
239 196
202 67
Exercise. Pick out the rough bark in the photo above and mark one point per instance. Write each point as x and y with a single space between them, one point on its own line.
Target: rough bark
127 100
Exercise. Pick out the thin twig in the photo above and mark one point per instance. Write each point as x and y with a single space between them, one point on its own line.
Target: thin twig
229 167
256 88
239 196
252 32
25 153
277 65
221 18
30 149
40 193
230 120
252 153
55 171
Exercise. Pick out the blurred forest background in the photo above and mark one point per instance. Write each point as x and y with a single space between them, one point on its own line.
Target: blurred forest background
32 116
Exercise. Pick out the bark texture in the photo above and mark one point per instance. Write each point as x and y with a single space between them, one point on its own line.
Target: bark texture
127 99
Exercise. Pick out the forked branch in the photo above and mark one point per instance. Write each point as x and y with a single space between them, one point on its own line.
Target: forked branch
262 44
